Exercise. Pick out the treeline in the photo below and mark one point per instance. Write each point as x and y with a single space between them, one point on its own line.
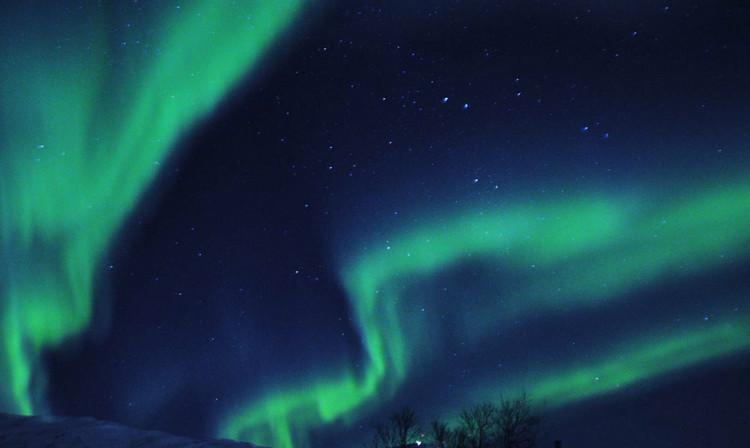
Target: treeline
511 423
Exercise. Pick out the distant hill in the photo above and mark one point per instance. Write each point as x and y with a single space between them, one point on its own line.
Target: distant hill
84 432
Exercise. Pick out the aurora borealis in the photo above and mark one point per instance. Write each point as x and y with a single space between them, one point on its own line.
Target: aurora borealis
549 247
278 221
86 123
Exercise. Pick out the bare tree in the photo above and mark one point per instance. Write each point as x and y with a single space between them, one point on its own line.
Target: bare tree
373 443
440 433
457 438
404 426
398 432
516 424
478 424
512 424
385 437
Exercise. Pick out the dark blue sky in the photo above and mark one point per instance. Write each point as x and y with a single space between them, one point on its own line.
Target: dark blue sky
369 117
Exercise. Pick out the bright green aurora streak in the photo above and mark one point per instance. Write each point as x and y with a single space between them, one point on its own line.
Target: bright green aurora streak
567 254
86 117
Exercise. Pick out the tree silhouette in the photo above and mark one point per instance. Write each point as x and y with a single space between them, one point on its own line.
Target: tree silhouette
517 426
404 424
399 431
478 423
457 438
511 424
440 434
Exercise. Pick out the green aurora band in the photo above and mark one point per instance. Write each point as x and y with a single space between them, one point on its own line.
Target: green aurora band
86 117
564 254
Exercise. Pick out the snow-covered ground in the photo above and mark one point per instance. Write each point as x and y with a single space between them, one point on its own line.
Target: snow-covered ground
66 432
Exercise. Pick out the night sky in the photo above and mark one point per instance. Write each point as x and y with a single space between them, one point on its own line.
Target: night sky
279 221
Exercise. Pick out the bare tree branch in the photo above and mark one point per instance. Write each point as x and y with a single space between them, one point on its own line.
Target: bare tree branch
517 426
